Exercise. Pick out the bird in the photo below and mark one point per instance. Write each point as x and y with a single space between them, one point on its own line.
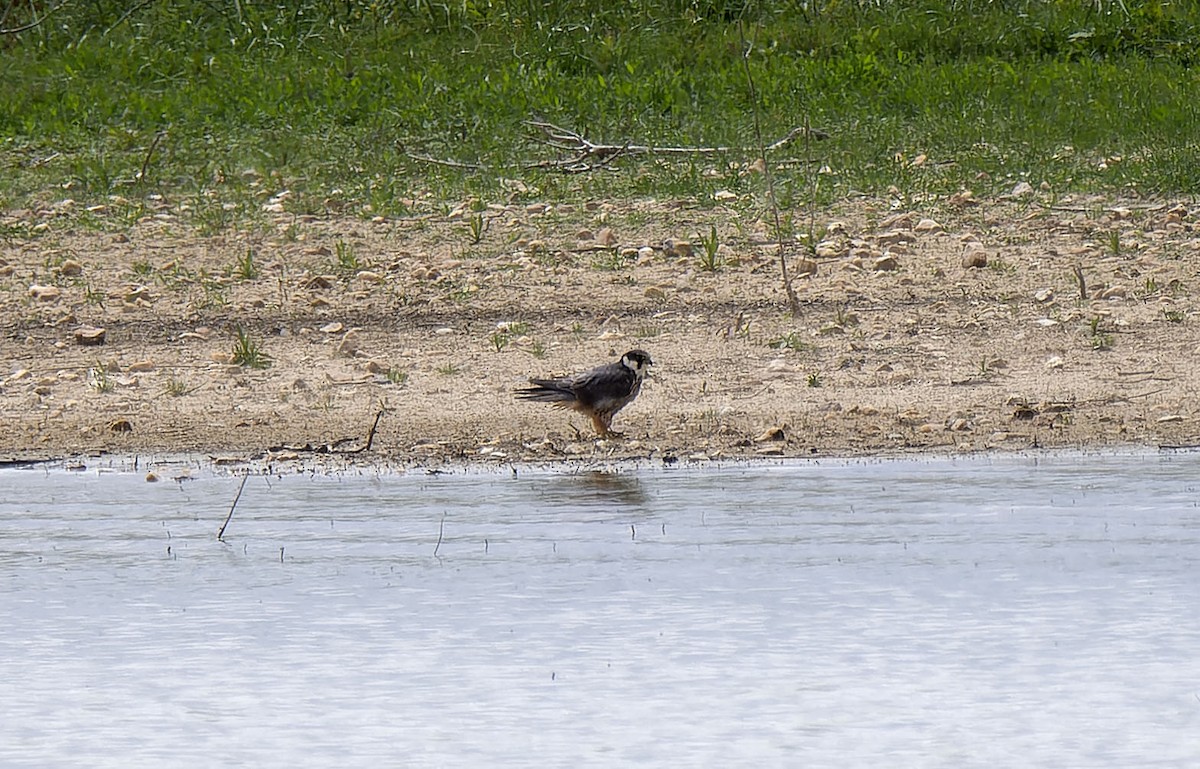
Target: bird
599 393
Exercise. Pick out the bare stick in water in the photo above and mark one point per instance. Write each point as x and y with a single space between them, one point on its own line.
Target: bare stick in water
441 528
371 432
221 533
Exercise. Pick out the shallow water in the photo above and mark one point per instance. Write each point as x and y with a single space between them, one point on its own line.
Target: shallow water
951 613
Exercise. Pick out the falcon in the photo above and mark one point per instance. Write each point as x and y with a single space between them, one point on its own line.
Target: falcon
599 393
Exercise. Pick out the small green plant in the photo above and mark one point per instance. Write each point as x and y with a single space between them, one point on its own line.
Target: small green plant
345 258
710 245
448 369
1114 242
1174 316
500 340
844 318
647 332
99 379
142 269
396 376
791 341
577 328
245 268
520 328
214 292
814 379
1001 266
609 261
537 350
1102 342
93 296
176 387
475 227
247 352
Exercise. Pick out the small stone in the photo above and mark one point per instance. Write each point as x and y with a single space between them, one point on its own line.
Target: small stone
680 249
1113 292
1169 418
830 249
332 328
1044 295
89 336
70 269
1055 362
1022 190
962 199
723 196
120 426
369 276
606 237
929 226
894 237
318 282
151 477
350 344
804 267
975 257
45 293
885 263
655 293
772 434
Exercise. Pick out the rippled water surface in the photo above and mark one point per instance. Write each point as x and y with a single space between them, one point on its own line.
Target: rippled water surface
969 613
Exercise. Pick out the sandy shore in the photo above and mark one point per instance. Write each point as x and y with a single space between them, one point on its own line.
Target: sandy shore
952 327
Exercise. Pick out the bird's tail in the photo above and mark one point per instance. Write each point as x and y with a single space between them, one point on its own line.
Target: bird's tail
546 391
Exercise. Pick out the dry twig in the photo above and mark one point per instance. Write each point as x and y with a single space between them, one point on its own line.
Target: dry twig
586 155
221 531
578 154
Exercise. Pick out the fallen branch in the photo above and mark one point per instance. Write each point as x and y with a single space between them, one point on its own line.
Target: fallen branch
340 446
578 154
371 432
587 155
37 22
221 532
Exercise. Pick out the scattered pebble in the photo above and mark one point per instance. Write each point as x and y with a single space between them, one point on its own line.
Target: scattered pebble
89 336
975 257
1022 190
772 434
350 344
70 269
885 263
45 293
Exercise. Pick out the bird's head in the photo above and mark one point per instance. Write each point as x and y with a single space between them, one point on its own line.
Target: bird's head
637 361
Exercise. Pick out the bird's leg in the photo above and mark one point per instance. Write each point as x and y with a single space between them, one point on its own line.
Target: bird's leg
603 423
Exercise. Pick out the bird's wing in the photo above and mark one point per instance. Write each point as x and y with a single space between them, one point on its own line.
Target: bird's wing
612 381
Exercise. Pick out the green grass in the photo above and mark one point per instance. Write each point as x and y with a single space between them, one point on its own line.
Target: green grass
221 106
247 351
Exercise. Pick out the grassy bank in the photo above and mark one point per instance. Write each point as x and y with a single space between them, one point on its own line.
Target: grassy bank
222 104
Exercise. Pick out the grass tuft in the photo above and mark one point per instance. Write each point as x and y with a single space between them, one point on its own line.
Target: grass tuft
247 352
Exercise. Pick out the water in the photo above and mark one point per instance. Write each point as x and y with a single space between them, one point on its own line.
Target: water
949 613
